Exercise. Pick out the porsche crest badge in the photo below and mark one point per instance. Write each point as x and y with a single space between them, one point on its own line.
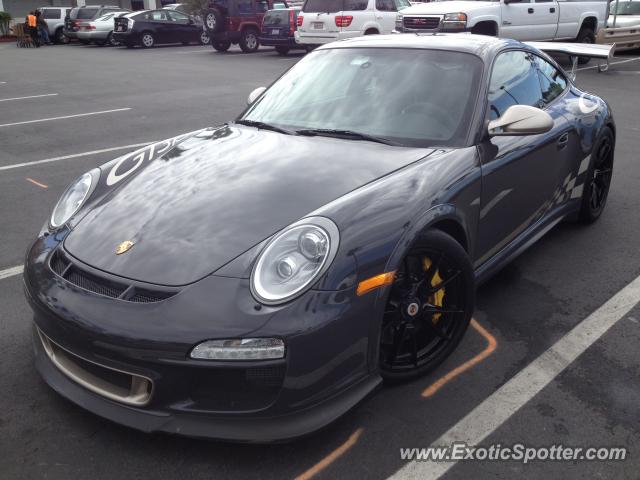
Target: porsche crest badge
124 247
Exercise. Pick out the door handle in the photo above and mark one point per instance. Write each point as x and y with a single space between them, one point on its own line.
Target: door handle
531 10
562 141
552 10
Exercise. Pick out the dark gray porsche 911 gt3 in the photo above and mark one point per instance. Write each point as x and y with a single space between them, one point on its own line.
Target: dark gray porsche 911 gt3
254 281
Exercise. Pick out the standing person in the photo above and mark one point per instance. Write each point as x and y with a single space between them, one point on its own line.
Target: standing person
43 28
32 26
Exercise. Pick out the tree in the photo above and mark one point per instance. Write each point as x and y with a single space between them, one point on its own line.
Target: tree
5 19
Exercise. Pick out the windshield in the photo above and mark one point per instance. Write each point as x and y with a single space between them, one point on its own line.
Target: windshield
626 8
408 96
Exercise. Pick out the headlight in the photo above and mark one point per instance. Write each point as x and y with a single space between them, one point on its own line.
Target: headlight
399 20
294 259
72 199
455 20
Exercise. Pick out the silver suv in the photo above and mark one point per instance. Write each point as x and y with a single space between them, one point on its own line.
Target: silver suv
54 18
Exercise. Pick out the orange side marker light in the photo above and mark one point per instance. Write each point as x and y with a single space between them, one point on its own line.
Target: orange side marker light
375 282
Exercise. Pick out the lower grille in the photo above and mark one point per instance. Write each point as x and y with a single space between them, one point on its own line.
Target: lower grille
227 389
422 23
114 384
62 266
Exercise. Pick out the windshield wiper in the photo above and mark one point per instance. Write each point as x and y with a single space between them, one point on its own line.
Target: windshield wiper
264 126
348 134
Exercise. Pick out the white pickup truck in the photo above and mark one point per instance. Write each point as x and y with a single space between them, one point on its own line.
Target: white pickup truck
517 19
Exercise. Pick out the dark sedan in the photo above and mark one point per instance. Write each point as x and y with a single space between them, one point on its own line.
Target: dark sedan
256 280
154 27
278 28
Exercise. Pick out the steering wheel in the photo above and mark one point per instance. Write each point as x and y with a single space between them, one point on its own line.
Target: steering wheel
422 107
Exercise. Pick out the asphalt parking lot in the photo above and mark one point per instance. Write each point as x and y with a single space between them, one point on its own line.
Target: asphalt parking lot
66 109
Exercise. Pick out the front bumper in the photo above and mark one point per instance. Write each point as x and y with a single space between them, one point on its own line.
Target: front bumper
325 373
71 34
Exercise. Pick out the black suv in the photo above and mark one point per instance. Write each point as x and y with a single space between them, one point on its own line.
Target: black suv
84 14
237 22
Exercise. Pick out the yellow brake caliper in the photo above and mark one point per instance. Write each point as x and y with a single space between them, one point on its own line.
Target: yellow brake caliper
436 298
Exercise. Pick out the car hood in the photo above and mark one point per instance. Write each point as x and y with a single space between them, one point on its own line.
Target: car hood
212 197
439 8
624 21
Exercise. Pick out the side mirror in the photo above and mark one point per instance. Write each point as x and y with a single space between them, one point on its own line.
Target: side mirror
253 96
521 120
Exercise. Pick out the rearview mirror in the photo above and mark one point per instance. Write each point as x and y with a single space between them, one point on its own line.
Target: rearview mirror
253 96
521 120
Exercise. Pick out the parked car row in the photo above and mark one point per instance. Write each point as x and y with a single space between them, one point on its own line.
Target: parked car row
250 23
113 25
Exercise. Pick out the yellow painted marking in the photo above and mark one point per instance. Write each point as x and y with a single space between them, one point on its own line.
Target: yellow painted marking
492 344
41 185
332 457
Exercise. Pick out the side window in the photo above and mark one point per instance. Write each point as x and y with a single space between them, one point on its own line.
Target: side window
178 17
159 16
514 81
385 5
245 6
551 79
49 13
262 6
355 5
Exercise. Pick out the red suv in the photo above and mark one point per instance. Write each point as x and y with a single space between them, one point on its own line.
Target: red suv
237 22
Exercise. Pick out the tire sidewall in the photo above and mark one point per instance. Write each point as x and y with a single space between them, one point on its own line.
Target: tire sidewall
586 215
245 38
433 239
153 40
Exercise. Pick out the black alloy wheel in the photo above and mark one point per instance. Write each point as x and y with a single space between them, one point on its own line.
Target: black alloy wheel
429 308
598 181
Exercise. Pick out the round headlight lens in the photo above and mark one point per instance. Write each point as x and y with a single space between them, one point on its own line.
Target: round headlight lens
71 200
293 260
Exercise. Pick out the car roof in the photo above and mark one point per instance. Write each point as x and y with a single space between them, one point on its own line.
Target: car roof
479 45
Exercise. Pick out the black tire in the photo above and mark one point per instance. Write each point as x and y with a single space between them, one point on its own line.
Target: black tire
205 39
249 42
282 50
214 21
586 35
147 40
112 41
598 180
221 46
423 321
372 31
60 37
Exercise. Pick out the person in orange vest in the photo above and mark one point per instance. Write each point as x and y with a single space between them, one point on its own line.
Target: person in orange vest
32 26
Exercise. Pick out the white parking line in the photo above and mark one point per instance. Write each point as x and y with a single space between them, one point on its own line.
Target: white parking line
66 116
30 96
612 63
496 409
10 272
75 155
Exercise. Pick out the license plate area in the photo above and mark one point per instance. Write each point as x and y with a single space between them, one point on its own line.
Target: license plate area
275 31
318 25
